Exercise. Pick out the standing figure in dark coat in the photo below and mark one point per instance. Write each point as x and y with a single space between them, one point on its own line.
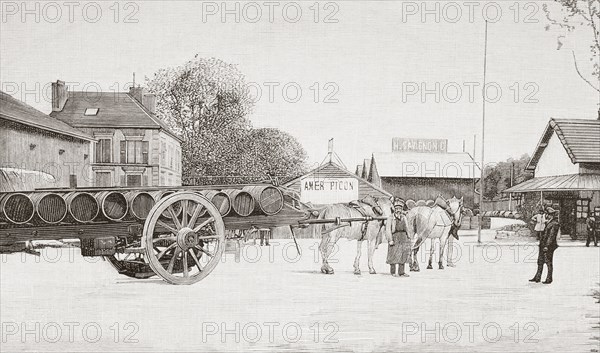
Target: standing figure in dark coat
592 223
547 246
399 253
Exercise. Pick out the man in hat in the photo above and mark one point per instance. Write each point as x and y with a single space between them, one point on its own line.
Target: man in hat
399 253
547 246
592 223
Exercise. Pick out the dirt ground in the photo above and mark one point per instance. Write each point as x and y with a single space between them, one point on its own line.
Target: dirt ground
274 299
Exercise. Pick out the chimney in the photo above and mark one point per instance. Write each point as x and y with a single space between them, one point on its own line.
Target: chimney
149 101
59 95
137 93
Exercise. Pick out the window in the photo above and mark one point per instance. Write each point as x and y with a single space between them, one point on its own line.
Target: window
103 179
91 111
134 152
104 151
583 208
134 180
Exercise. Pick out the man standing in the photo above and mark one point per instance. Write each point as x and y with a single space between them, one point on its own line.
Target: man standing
547 246
592 227
540 223
399 253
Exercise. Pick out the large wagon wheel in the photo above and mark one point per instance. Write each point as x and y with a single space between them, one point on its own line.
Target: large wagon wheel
186 247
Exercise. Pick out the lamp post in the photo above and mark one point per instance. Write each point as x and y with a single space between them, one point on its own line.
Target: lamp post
482 137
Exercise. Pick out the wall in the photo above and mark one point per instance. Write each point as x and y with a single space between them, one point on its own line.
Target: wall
169 160
555 160
430 188
164 157
16 152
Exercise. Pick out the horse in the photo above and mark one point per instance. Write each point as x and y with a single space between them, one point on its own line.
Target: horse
437 222
358 230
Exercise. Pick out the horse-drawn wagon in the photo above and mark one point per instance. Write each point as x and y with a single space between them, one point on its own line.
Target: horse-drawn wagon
176 233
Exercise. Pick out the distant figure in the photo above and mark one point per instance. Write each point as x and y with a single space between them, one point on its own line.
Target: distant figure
540 223
399 252
547 246
592 228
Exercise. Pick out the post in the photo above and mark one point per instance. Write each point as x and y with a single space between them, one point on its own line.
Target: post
482 136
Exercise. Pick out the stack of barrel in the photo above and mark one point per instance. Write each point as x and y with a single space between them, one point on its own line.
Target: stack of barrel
55 207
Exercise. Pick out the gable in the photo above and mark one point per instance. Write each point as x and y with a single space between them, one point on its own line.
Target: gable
555 160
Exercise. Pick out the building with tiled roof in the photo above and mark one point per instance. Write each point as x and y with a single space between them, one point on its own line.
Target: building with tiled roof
566 167
38 150
134 146
418 174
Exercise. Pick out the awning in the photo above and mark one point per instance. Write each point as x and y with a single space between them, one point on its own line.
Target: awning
570 182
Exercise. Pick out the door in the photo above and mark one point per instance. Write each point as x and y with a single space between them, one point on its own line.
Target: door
567 217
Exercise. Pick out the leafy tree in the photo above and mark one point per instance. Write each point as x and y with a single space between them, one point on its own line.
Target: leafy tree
584 14
498 176
276 153
207 102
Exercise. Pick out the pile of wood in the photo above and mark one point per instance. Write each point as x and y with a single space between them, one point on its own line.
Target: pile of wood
114 205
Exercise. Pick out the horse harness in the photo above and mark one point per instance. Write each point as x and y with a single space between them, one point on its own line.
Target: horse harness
358 206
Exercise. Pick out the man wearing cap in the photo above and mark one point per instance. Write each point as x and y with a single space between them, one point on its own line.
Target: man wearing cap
398 253
592 223
547 246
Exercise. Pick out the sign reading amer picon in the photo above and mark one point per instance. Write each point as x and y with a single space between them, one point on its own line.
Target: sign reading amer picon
328 190
419 145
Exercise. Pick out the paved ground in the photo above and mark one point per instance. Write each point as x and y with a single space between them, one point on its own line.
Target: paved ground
280 302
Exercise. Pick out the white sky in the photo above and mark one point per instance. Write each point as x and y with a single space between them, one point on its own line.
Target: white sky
369 55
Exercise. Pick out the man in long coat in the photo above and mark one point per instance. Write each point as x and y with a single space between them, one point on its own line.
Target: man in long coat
399 253
547 247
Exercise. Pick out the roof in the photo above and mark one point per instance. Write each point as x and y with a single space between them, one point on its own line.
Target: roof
579 137
458 165
366 168
14 110
333 170
116 110
569 182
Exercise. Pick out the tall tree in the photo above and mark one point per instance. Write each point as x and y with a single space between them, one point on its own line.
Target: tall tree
207 102
585 15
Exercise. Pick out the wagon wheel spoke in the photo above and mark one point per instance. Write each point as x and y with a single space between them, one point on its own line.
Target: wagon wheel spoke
185 265
208 237
184 213
165 225
195 215
204 224
172 262
174 217
205 251
162 253
196 260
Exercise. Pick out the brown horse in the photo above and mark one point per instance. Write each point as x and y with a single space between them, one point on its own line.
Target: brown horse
371 231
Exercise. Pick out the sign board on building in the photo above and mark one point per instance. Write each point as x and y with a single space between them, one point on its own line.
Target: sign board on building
328 190
419 145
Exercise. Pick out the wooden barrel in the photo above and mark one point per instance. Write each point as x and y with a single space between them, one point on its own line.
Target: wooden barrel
411 204
140 204
16 208
421 203
429 203
82 206
219 199
268 198
49 207
113 205
241 201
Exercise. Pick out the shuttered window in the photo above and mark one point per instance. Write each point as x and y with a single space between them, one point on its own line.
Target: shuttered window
134 152
103 151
